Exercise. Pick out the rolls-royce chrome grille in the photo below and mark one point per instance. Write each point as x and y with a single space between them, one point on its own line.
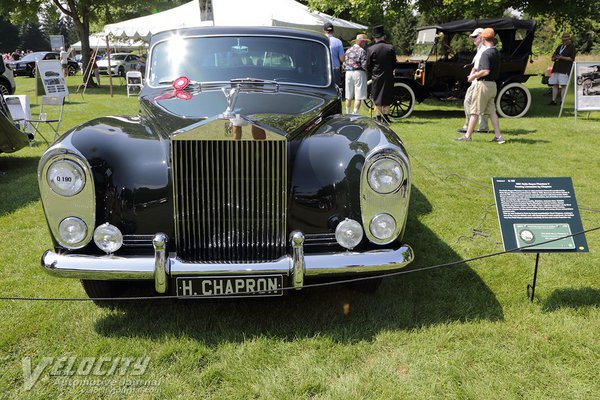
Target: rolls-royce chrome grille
230 200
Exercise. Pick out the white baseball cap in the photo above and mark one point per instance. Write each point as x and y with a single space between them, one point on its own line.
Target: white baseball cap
476 32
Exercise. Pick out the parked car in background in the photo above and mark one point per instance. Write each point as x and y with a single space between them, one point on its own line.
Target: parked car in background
442 59
26 65
7 80
240 177
120 63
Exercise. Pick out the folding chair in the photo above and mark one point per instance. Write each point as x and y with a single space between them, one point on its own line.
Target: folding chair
134 80
11 137
54 123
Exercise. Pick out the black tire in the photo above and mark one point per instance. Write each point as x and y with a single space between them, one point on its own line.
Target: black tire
4 88
404 101
72 70
32 73
368 102
587 87
104 290
513 100
121 71
368 286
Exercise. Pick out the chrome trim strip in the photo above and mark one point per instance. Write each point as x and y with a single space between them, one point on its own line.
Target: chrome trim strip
298 267
332 265
160 262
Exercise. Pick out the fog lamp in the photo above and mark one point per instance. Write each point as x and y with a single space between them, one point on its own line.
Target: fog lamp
108 238
72 230
348 233
383 226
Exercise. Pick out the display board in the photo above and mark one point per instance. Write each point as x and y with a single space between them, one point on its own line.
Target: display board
50 79
539 214
586 80
56 42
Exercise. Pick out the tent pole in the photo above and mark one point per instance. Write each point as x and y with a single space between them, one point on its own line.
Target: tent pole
110 87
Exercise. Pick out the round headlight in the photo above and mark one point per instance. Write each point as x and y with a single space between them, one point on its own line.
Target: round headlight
72 230
65 177
383 226
385 175
348 233
108 238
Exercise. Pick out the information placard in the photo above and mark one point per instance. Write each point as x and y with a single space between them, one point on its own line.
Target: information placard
587 86
539 214
50 77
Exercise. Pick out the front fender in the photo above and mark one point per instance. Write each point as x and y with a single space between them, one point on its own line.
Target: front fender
130 169
326 168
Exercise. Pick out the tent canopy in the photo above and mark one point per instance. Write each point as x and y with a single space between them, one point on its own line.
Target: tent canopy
98 41
287 13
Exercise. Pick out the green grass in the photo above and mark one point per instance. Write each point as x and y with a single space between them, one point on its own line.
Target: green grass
461 332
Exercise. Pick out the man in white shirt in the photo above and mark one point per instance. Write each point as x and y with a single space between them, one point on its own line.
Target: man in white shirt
64 61
483 120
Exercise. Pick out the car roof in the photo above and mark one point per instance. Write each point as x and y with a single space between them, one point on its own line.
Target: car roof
250 30
499 24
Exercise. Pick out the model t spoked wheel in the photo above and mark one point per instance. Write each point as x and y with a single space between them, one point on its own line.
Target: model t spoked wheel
513 100
404 101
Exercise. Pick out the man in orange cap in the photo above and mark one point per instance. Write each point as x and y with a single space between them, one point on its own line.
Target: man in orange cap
485 90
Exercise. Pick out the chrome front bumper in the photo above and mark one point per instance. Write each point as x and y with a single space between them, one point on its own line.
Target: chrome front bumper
162 266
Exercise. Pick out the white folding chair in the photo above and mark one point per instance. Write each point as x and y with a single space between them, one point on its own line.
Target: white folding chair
54 104
134 80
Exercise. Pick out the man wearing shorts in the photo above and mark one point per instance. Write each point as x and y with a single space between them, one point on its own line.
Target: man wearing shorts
355 67
64 61
563 58
485 90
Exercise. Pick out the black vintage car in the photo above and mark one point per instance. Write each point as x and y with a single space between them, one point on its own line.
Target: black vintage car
26 65
442 59
590 81
239 177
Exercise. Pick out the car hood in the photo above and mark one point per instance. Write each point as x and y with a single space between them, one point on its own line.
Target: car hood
286 110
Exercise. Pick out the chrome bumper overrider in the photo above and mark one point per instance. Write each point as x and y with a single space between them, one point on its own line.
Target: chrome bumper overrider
161 266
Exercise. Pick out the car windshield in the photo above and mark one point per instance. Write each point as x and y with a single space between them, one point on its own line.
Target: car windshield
219 59
118 56
33 57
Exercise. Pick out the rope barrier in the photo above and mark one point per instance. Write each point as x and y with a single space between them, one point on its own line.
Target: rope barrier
315 285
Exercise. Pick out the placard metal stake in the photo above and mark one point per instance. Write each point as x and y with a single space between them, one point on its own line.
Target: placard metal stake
531 286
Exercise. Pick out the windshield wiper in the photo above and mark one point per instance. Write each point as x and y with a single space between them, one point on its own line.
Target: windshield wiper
254 80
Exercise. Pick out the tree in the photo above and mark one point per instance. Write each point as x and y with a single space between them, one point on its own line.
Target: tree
9 36
82 13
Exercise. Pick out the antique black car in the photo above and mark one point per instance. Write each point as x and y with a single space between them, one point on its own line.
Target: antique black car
239 177
26 65
590 81
442 59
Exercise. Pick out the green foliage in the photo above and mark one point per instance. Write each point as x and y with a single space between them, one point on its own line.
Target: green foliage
9 36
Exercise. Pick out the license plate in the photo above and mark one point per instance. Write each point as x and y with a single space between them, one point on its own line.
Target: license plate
230 286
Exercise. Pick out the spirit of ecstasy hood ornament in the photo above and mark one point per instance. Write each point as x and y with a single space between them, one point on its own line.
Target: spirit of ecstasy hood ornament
231 97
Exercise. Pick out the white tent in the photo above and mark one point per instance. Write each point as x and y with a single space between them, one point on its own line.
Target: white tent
98 41
233 13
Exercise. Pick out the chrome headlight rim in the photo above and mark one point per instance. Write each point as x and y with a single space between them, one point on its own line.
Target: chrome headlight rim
75 244
390 238
396 203
75 166
375 164
57 207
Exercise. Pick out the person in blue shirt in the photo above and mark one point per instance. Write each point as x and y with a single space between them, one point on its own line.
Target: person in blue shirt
337 52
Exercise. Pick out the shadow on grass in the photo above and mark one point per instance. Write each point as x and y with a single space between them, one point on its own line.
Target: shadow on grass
18 182
403 302
526 141
572 298
438 114
518 131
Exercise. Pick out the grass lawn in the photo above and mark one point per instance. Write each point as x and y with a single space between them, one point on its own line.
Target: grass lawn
460 332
